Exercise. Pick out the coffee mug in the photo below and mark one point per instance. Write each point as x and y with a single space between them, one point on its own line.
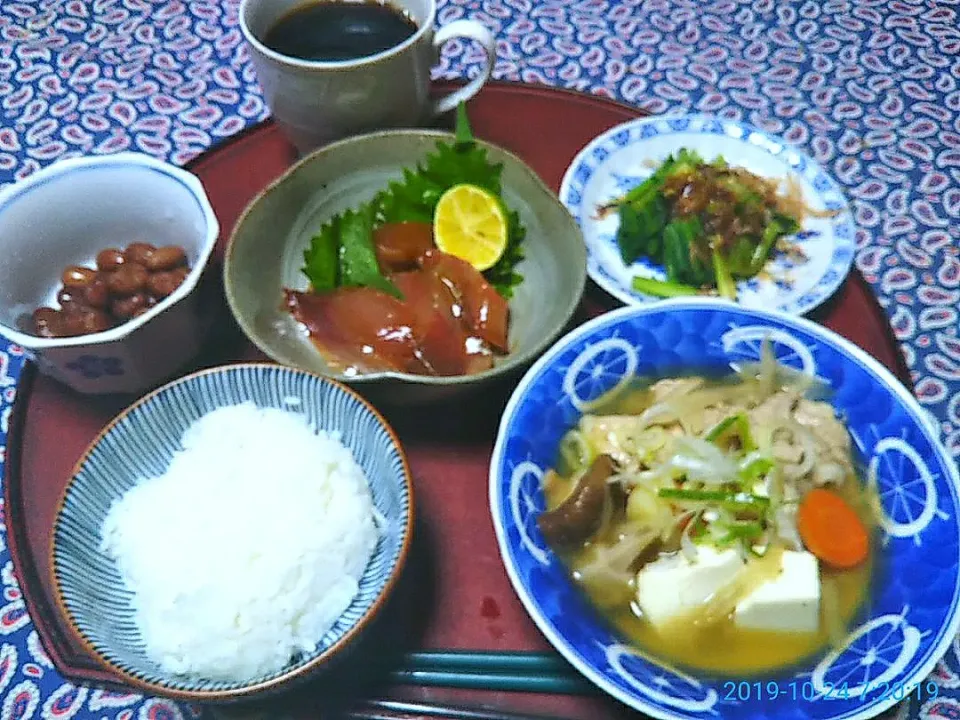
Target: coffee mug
317 102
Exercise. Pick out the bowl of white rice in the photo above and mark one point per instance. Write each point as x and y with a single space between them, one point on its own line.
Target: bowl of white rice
232 532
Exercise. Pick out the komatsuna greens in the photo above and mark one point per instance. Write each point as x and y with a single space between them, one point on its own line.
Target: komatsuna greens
707 224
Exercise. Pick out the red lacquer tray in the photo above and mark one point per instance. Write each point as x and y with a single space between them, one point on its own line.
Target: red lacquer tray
455 593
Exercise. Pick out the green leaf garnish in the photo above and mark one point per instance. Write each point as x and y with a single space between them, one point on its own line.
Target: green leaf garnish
342 254
321 261
358 258
413 198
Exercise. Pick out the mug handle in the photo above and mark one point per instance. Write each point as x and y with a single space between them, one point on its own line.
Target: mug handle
469 30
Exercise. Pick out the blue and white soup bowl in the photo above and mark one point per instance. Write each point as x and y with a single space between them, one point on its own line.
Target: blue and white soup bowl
911 616
68 212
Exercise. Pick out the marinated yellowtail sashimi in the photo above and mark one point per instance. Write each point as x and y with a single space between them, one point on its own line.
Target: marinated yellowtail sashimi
447 321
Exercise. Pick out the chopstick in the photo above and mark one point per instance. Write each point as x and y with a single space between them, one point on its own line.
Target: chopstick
507 671
493 681
492 660
400 710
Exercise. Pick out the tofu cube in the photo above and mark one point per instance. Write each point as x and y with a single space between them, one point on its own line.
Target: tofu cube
673 586
789 603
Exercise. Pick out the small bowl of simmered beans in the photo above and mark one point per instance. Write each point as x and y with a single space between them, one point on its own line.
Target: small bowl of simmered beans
123 284
99 278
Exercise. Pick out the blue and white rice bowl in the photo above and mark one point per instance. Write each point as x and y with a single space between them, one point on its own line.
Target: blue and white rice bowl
911 616
140 443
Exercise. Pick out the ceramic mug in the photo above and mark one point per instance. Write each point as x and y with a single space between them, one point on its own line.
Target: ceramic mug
317 102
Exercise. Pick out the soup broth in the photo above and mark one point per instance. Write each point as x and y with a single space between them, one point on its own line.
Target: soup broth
720 646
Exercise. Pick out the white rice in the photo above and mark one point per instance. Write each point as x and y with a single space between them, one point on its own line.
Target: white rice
247 550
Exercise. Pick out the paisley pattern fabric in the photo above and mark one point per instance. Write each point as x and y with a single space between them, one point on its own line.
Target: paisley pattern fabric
870 89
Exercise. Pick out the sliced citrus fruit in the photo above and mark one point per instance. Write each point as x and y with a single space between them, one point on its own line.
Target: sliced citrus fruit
470 223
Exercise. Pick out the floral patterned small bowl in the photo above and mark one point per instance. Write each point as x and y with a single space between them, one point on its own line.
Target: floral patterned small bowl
64 215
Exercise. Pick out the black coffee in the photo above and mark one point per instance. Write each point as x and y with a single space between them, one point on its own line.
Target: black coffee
344 30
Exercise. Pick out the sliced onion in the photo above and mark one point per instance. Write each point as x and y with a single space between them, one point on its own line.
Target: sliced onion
625 479
774 485
612 562
802 383
648 441
670 529
785 520
656 476
691 404
687 546
703 461
742 552
767 374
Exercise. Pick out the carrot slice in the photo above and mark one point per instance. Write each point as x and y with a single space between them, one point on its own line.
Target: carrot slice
831 530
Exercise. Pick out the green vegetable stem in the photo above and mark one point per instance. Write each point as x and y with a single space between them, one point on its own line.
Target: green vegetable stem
662 288
734 501
736 425
780 225
725 285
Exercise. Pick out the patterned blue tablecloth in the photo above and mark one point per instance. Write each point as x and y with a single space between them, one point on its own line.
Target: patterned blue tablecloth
870 88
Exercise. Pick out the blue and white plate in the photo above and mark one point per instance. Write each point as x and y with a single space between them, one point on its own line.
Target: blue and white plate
912 614
141 442
624 156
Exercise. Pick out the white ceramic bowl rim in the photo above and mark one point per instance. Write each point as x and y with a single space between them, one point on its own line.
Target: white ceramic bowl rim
15 191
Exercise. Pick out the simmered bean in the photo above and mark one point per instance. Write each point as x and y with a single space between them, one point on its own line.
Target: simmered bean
86 322
125 285
97 294
95 321
77 277
47 322
162 284
70 300
129 278
166 258
125 308
139 252
109 259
